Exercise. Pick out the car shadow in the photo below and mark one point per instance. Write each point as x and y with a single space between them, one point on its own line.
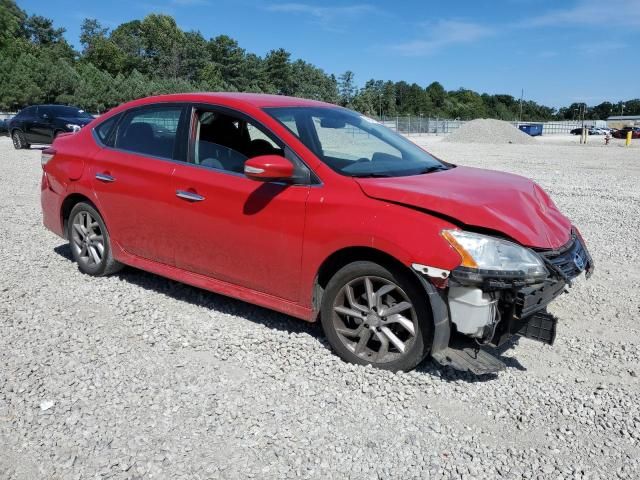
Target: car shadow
210 300
279 321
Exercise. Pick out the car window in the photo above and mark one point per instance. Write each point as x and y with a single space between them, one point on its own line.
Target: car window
225 142
104 130
289 121
150 131
355 145
350 143
66 111
28 112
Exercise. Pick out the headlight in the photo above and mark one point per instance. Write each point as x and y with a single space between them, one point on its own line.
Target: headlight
493 255
73 127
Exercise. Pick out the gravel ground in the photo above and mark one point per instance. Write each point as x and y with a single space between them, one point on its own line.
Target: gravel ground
135 376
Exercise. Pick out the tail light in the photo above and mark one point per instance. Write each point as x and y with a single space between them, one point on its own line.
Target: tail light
47 154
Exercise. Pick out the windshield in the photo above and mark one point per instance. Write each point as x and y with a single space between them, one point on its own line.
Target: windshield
355 145
63 111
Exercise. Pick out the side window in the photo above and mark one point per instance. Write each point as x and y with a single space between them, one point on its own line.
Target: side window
27 113
225 142
150 131
104 130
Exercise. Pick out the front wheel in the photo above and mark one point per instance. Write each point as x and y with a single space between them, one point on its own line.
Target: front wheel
376 316
90 243
19 140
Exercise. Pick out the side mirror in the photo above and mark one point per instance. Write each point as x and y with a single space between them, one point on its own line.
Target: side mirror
266 168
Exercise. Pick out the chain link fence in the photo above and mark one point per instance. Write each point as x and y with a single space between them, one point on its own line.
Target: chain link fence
418 125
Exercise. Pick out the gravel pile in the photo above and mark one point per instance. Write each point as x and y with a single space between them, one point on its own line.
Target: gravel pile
135 376
486 130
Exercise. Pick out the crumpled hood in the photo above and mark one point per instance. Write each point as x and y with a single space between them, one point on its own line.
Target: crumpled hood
507 203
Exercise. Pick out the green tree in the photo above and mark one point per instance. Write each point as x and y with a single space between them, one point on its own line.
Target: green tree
437 94
278 71
346 88
226 52
41 32
12 22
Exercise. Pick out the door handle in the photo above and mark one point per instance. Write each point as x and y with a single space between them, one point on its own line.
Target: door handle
192 197
105 177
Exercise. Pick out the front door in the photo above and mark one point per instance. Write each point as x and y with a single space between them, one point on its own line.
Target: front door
231 228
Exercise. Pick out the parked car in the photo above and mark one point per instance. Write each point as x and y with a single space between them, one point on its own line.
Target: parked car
590 131
622 133
3 127
41 124
318 212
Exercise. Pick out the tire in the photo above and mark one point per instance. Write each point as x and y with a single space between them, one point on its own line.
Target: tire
19 140
358 333
89 241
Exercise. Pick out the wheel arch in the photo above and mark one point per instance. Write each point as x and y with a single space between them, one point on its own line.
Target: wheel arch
345 256
67 205
433 296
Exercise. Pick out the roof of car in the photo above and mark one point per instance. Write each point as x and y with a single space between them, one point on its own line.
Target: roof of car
259 100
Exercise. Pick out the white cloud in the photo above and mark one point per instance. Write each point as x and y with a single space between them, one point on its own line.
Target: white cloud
442 34
323 14
600 48
189 3
590 13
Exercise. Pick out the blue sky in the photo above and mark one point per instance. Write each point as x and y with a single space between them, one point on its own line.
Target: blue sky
557 51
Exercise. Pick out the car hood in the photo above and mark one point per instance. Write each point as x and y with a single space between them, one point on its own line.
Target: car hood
75 120
485 199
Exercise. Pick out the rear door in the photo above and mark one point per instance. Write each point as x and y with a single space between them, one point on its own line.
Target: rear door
25 123
132 179
42 127
229 227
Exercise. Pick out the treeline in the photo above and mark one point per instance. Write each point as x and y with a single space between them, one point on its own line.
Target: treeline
154 56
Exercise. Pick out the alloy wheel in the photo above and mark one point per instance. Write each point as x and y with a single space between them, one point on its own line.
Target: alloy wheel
87 239
375 319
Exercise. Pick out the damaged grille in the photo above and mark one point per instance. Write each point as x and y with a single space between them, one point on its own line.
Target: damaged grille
571 260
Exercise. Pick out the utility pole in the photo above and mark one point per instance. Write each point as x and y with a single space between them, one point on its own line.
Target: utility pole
521 98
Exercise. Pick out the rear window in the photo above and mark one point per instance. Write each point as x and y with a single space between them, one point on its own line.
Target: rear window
105 129
150 131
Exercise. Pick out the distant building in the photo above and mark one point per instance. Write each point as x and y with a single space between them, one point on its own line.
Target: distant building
621 121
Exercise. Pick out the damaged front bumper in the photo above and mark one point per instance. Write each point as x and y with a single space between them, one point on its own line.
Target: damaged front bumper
489 308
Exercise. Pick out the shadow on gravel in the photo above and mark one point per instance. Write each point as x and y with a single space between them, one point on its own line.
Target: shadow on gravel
203 298
271 319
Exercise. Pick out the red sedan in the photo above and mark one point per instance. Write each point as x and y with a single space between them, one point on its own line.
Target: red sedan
318 212
622 133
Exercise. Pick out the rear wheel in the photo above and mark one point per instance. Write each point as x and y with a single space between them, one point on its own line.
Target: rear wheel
90 243
19 140
377 316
